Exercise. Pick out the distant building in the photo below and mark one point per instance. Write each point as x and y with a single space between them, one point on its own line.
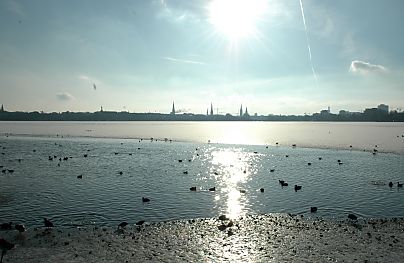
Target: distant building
2 108
325 112
246 112
211 109
173 109
241 110
383 107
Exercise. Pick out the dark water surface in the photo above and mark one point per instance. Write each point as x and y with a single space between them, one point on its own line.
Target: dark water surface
40 188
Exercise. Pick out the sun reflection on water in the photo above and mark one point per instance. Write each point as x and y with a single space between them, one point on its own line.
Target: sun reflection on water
231 169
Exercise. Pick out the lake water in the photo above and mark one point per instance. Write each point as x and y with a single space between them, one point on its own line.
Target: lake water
240 156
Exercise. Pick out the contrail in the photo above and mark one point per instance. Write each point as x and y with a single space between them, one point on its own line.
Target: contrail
308 43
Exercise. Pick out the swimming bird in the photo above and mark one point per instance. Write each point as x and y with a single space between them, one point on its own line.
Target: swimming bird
20 227
352 217
320 158
223 217
281 181
180 161
293 145
79 176
145 199
85 155
120 172
193 188
313 209
298 187
185 172
47 223
262 190
212 189
140 222
309 164
272 170
6 226
286 155
391 184
5 246
284 184
122 225
399 185
242 191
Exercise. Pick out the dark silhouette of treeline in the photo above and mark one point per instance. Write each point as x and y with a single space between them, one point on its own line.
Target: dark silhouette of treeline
368 115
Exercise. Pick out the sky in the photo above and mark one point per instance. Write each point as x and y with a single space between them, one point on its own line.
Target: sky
272 56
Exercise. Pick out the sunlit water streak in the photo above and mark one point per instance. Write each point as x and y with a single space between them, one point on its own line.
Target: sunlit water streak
40 188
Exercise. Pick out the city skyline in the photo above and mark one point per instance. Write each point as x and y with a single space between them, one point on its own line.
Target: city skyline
279 57
242 111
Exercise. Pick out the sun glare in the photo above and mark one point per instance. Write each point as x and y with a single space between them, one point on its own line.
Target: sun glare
236 18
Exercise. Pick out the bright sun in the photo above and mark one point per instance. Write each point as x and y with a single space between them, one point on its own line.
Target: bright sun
236 18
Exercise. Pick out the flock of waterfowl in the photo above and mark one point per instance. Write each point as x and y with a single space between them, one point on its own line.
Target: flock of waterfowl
5 245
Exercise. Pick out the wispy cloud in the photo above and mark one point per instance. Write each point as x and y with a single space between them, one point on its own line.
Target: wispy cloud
363 67
177 60
64 96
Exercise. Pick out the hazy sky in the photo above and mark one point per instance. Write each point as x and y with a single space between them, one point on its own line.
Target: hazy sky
144 54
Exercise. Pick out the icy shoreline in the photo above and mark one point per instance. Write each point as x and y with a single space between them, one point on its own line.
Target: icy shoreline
253 238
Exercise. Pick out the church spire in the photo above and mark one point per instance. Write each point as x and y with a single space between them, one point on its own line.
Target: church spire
211 109
2 108
241 110
173 109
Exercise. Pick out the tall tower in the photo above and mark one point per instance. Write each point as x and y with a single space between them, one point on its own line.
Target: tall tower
173 109
211 109
101 109
2 108
241 110
246 112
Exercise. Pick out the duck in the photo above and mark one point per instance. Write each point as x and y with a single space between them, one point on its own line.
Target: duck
399 185
140 222
262 190
313 209
79 176
391 184
20 227
281 181
193 188
309 164
145 199
298 187
284 184
212 189
4 246
272 170
352 217
6 226
122 225
47 223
